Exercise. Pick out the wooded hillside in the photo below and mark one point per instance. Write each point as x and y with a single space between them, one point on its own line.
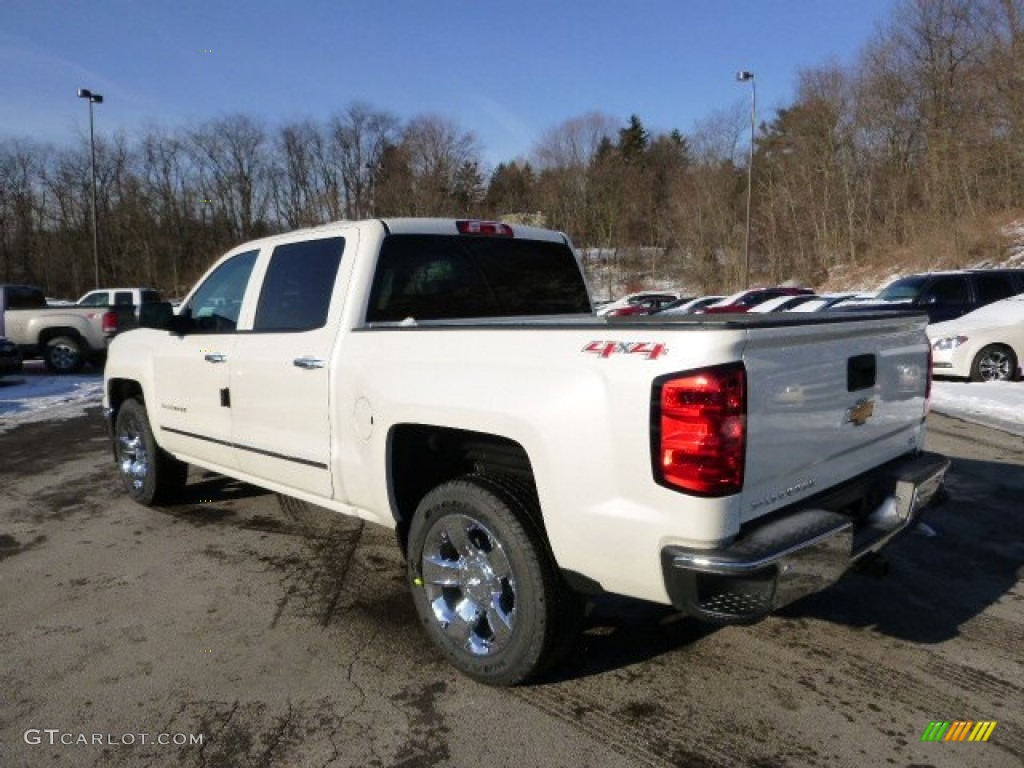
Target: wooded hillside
917 146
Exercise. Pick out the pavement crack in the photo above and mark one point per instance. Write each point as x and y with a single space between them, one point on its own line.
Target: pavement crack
277 737
207 730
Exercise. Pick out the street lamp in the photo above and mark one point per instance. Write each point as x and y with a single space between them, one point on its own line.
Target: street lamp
744 76
94 98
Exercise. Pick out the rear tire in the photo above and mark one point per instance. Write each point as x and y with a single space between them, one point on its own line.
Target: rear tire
485 585
64 354
149 474
996 362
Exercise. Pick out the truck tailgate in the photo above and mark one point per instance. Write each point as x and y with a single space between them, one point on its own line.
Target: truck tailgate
828 401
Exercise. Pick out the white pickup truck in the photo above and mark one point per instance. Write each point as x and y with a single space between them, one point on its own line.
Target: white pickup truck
449 379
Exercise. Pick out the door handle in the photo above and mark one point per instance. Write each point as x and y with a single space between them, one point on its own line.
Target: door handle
308 362
215 357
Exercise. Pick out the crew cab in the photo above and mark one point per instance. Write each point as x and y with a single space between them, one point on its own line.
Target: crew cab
66 337
117 297
448 379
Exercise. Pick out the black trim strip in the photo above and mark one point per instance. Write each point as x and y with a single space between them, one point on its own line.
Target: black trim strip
229 444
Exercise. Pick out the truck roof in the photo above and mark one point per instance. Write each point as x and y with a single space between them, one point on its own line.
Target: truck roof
409 226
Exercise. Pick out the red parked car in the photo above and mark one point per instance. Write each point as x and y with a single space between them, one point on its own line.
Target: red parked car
744 300
638 304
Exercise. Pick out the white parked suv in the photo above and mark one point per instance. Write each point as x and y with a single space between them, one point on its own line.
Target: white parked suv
448 379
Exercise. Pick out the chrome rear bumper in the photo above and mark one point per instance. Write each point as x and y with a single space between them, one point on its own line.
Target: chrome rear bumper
803 549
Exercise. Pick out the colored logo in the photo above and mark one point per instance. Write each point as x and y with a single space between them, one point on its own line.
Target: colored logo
958 730
646 349
861 412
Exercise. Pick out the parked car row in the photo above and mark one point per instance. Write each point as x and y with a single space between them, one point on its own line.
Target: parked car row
976 316
976 319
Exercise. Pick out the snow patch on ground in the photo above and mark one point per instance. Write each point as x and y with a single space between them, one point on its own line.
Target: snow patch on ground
998 404
36 395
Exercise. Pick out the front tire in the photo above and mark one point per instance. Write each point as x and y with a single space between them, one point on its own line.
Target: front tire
64 354
996 362
149 474
484 583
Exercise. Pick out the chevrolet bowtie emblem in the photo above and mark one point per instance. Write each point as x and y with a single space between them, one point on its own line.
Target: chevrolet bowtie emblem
861 412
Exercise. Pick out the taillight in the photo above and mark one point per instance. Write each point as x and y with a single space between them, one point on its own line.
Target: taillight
475 227
699 428
928 383
110 322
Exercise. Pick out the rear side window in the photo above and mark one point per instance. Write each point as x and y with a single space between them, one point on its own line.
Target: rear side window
299 284
122 298
437 277
993 288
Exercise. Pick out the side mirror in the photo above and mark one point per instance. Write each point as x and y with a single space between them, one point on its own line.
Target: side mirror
156 315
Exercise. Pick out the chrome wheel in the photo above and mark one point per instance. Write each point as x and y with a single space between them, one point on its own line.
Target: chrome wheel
133 459
469 583
995 365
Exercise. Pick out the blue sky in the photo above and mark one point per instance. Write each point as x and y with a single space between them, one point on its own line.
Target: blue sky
508 71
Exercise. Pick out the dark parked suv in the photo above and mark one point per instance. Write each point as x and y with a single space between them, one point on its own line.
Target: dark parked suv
945 295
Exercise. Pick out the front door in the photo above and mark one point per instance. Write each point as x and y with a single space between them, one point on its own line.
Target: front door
192 371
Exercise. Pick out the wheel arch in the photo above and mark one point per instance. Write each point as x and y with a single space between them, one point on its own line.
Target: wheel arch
119 390
421 457
47 334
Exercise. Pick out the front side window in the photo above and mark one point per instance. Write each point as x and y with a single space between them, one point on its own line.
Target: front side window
435 277
216 304
96 299
299 284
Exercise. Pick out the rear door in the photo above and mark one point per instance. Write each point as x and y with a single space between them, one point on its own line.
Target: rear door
280 372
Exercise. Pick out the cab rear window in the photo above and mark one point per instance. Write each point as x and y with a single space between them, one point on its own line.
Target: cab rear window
440 277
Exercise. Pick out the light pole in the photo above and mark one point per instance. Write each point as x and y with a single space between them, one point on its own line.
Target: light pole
744 76
94 98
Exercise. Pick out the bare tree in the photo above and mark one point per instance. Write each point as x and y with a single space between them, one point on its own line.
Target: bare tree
360 136
437 151
231 157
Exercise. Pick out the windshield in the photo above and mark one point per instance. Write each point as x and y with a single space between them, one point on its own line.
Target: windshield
904 289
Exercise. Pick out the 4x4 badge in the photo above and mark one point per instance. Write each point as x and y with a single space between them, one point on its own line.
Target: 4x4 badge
861 412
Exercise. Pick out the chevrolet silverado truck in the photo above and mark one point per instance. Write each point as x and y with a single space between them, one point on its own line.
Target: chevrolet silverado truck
66 337
448 379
